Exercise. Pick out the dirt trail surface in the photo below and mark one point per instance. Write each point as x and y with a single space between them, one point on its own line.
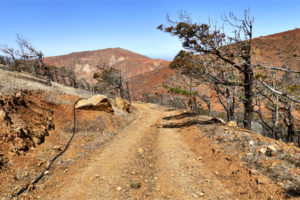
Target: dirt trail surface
143 161
157 156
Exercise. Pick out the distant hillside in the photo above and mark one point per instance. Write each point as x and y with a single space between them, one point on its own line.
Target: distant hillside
88 62
279 48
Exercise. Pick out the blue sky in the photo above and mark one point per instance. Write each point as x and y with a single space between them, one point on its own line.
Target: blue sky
63 26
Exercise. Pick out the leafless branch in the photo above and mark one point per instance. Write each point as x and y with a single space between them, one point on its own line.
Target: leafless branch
280 93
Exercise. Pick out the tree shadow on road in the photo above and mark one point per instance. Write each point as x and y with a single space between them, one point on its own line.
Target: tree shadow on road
192 122
181 116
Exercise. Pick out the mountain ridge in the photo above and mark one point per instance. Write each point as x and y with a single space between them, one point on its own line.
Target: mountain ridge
86 63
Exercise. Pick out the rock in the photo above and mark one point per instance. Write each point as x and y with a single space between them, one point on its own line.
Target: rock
57 147
253 172
36 140
119 188
281 184
46 172
259 181
3 115
122 104
271 150
200 194
135 184
199 158
141 150
19 94
251 143
98 102
232 124
195 195
263 151
40 164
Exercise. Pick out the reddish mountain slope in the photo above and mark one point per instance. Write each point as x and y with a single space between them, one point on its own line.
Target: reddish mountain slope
150 82
280 48
88 62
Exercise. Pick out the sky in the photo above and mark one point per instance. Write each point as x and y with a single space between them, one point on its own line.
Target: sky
63 26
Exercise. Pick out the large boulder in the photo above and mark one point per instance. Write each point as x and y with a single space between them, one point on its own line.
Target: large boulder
98 102
122 104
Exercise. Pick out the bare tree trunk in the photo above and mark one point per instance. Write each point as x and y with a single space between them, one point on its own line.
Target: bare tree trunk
128 92
249 95
207 102
230 102
120 87
48 74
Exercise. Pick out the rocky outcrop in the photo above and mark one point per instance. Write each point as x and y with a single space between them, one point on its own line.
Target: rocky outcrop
122 104
98 102
23 123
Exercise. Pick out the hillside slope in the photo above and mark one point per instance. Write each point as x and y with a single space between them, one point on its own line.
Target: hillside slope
88 62
280 48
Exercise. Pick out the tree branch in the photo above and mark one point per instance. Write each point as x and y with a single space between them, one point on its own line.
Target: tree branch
280 93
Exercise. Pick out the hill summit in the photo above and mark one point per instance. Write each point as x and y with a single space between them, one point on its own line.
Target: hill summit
86 63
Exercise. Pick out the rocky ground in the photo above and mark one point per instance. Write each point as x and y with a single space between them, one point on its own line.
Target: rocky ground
153 153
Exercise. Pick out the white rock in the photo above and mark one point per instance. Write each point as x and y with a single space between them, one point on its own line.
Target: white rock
271 150
251 143
263 150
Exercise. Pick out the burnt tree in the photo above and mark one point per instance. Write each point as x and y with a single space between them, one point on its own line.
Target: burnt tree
233 49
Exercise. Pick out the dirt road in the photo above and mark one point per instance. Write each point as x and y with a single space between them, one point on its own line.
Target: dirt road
144 161
161 154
